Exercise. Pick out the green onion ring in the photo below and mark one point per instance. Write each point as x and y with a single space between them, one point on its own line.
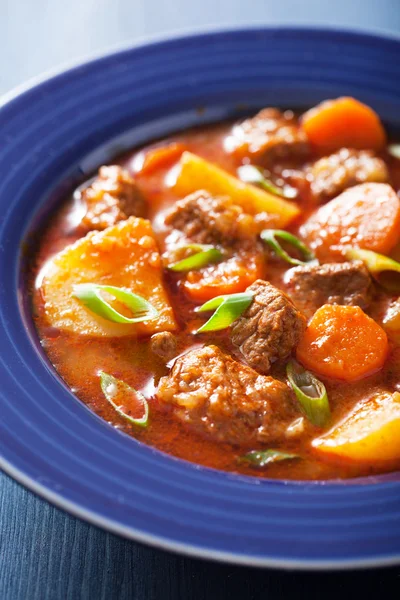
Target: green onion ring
253 174
261 458
203 256
271 236
310 393
111 387
377 264
227 309
394 150
90 296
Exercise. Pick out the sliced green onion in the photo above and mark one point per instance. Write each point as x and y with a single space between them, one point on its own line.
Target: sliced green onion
227 309
261 458
254 175
90 295
271 236
203 256
394 150
77 194
377 265
310 392
125 399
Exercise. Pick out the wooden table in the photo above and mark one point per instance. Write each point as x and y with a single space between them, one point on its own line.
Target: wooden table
45 553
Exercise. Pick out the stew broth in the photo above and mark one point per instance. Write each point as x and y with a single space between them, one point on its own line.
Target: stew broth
79 359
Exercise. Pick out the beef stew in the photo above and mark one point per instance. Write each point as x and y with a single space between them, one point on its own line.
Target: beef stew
229 295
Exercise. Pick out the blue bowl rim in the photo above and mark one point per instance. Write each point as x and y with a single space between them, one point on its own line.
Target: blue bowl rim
187 34
92 517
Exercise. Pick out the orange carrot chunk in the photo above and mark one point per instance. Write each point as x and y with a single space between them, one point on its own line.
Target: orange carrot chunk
342 342
163 156
365 216
344 122
229 277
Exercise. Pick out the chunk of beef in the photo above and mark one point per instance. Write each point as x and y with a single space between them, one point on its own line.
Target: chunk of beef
164 344
113 196
311 286
332 174
226 400
269 329
268 135
208 220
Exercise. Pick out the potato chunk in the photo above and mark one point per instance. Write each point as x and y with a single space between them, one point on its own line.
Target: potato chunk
124 255
199 174
370 433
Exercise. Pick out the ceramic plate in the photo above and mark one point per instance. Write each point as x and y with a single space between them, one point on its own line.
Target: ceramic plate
53 133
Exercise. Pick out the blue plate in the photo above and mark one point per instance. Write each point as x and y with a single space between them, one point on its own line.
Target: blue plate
59 129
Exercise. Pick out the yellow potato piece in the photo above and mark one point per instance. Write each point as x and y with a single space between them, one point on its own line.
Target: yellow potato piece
124 255
371 432
199 174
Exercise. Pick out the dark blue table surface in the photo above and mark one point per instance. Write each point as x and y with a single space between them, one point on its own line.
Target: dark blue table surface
44 552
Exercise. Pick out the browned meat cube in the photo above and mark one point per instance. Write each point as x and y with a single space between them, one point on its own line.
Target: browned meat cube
268 135
208 220
269 329
112 197
227 401
164 344
311 286
332 174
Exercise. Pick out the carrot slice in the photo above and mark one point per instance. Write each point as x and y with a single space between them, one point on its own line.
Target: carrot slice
156 158
343 342
229 277
365 216
344 122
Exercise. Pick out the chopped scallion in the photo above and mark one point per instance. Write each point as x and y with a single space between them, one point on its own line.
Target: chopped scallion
91 297
271 237
378 265
310 393
125 399
394 150
261 458
77 195
254 175
202 256
227 309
